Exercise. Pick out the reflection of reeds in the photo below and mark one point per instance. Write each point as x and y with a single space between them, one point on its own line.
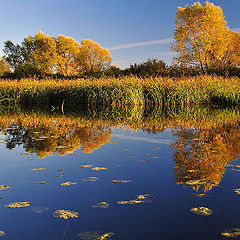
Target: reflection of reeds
122 91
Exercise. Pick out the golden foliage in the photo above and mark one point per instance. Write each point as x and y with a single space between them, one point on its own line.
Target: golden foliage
93 57
203 38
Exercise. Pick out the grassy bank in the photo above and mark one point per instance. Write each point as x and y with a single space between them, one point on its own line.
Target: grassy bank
120 92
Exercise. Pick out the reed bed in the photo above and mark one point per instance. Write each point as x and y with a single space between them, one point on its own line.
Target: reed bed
131 91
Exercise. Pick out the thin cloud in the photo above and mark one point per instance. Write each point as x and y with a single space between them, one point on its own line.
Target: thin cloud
142 44
236 30
144 139
165 53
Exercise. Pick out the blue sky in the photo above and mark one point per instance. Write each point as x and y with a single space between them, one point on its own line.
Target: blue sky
133 30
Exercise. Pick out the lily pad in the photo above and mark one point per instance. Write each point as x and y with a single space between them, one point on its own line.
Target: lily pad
85 166
42 182
99 168
68 183
121 181
18 205
232 233
93 235
101 205
135 201
90 179
237 191
37 169
65 214
4 187
203 211
2 233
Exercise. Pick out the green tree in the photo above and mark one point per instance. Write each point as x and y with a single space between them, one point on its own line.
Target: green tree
13 54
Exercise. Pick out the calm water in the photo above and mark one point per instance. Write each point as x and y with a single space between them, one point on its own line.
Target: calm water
183 159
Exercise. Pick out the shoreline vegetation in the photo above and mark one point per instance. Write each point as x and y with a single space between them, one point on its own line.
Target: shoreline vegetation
124 91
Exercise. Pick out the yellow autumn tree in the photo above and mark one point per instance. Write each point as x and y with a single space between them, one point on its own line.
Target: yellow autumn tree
45 53
68 50
202 37
93 57
4 67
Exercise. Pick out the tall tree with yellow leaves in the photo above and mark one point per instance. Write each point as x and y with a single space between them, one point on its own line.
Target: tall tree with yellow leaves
45 53
202 37
93 57
68 50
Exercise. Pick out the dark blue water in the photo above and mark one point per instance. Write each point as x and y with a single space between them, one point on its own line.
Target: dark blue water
148 160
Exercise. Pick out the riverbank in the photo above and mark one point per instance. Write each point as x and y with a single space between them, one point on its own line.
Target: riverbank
121 91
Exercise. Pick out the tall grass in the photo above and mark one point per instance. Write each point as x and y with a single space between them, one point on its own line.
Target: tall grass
122 91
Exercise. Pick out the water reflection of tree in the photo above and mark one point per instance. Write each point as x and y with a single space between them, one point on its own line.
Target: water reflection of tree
64 139
203 154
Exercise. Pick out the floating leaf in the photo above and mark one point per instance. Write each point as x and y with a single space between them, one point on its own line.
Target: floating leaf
130 202
237 191
126 150
101 205
68 183
85 166
233 232
4 187
40 209
42 182
99 168
18 205
2 233
106 236
93 235
143 198
121 181
37 169
65 214
202 211
91 179
131 157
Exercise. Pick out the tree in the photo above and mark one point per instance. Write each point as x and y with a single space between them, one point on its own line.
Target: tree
4 67
44 55
93 57
152 67
68 50
13 54
203 39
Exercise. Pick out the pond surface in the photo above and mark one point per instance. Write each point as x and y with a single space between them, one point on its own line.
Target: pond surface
132 175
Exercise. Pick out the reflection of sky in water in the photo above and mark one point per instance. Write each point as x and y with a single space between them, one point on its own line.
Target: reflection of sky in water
149 160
